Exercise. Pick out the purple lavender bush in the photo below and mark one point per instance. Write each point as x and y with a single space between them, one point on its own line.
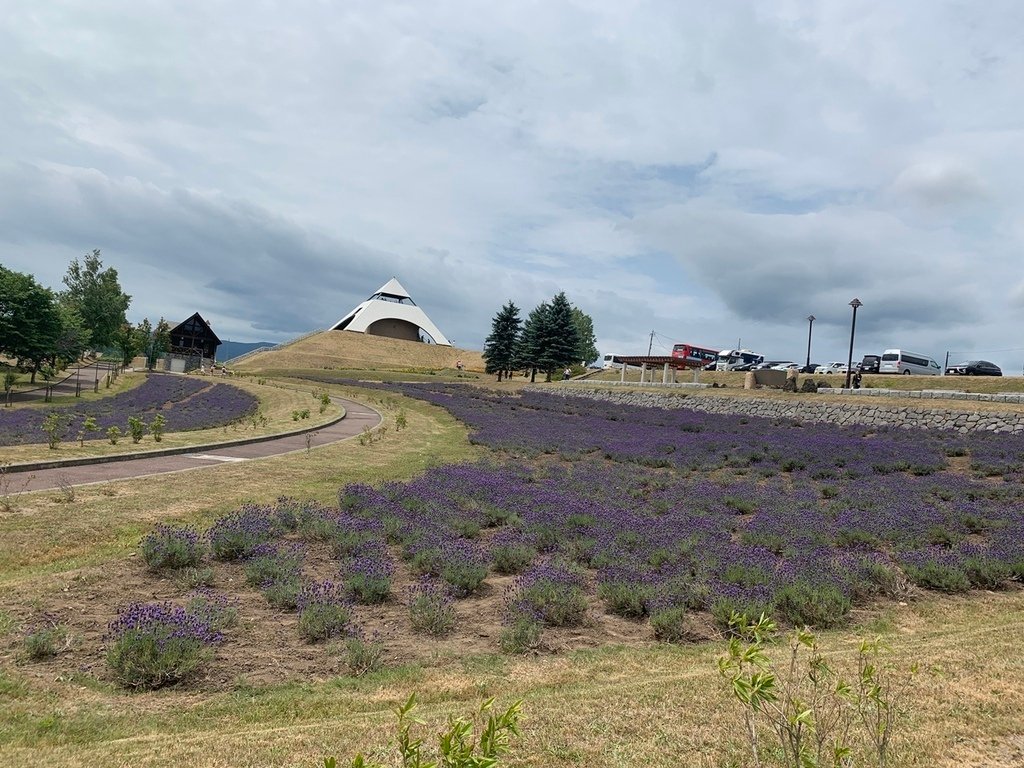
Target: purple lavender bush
431 607
552 592
368 573
325 611
172 547
150 645
236 535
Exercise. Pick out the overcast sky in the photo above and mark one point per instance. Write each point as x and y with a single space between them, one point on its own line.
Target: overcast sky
714 172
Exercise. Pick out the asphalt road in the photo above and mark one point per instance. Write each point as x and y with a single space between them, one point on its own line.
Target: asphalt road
357 417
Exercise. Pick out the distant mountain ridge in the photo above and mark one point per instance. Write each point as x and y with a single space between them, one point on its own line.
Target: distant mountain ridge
230 349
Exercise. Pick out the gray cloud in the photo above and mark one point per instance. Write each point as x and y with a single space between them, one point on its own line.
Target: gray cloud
709 172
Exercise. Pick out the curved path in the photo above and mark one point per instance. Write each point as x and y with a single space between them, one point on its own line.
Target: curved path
357 418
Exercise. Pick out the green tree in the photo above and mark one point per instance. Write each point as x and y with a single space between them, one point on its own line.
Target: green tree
532 341
73 338
561 340
586 353
500 346
133 340
30 323
96 294
159 341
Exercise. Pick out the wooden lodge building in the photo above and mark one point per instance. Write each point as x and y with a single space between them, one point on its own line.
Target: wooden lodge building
194 338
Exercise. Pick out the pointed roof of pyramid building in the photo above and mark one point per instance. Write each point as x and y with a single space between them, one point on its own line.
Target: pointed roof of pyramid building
391 312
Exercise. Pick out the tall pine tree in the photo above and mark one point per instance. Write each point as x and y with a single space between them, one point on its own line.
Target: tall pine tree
501 346
562 339
587 352
534 339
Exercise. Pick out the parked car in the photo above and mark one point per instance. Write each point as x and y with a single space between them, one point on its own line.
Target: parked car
870 364
810 368
974 368
836 367
785 366
766 365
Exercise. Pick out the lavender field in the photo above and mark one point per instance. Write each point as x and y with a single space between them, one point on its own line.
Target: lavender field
186 403
660 515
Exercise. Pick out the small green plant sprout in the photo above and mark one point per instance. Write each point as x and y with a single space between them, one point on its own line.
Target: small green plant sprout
401 421
53 427
458 747
113 434
366 436
45 638
136 428
156 427
296 415
325 401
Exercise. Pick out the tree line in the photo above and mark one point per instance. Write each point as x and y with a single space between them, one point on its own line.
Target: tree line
554 336
44 330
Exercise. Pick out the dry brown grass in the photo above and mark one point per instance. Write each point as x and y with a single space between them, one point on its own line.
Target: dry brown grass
347 350
648 705
277 403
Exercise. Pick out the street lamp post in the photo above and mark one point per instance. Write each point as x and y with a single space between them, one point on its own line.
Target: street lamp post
853 329
810 327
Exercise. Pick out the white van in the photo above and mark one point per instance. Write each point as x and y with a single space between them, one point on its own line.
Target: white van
903 362
737 360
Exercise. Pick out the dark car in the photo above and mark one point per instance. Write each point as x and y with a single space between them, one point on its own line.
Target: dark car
809 368
974 368
869 364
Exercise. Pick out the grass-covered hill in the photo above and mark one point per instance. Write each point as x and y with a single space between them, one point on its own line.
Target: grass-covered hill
347 350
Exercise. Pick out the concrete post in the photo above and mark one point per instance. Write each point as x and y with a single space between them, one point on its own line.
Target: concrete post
643 370
622 374
664 374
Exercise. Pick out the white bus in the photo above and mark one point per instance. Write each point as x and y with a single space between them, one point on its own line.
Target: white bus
609 362
737 360
903 362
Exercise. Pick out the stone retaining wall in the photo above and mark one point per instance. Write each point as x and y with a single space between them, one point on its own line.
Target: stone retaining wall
812 410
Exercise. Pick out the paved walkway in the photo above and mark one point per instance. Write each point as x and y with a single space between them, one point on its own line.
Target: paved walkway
357 417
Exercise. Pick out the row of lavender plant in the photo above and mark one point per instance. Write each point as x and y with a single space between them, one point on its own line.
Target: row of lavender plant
186 404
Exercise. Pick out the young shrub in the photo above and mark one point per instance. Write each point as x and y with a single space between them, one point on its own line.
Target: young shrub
283 594
401 421
136 428
324 611
431 608
512 552
325 401
45 638
113 434
190 578
155 644
626 591
520 635
157 427
220 612
172 547
53 426
669 624
806 605
553 592
269 564
88 427
937 569
368 575
236 535
463 566
363 656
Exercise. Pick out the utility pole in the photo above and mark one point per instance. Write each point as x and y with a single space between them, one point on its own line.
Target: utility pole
947 363
650 345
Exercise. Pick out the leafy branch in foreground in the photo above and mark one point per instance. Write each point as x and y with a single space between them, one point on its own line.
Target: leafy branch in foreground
811 709
457 745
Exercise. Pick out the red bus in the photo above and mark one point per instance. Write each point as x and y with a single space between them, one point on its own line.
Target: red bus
695 357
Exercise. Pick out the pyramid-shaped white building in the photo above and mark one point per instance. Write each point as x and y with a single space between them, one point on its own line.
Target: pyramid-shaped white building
391 312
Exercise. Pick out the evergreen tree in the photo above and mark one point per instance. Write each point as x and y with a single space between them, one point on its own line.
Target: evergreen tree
534 339
97 296
501 346
561 340
586 353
